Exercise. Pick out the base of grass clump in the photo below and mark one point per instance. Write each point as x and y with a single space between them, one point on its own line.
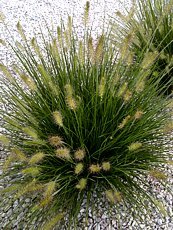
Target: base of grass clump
80 125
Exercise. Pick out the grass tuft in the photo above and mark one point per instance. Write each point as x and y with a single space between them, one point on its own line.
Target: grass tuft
90 125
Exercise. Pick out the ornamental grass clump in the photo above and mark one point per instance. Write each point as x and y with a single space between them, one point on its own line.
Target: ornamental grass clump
150 22
85 128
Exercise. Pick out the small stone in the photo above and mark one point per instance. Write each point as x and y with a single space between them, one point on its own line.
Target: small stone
142 226
24 205
28 200
98 227
82 210
123 214
3 215
170 225
34 221
9 212
114 223
16 224
133 223
5 225
21 198
159 221
19 217
6 208
15 204
104 216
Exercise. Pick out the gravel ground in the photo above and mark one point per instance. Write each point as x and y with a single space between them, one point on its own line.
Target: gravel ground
33 14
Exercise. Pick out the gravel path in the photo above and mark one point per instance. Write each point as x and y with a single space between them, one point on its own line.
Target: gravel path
32 14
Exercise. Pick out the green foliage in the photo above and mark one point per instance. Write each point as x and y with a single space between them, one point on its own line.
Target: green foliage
80 122
151 25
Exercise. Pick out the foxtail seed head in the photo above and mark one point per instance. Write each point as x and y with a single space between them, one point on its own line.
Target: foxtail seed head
2 17
138 114
78 168
11 188
21 31
168 127
55 141
113 196
63 153
36 47
2 42
33 171
53 221
115 80
167 8
170 103
36 158
106 166
120 15
4 140
127 96
124 122
19 45
32 186
149 59
170 162
99 49
110 195
69 90
28 81
140 85
95 168
50 188
134 146
118 196
35 142
7 73
91 49
11 158
86 12
102 87
81 52
58 118
70 25
81 184
71 102
30 132
122 89
44 202
19 154
125 46
130 58
67 38
55 51
79 154
59 34
158 175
